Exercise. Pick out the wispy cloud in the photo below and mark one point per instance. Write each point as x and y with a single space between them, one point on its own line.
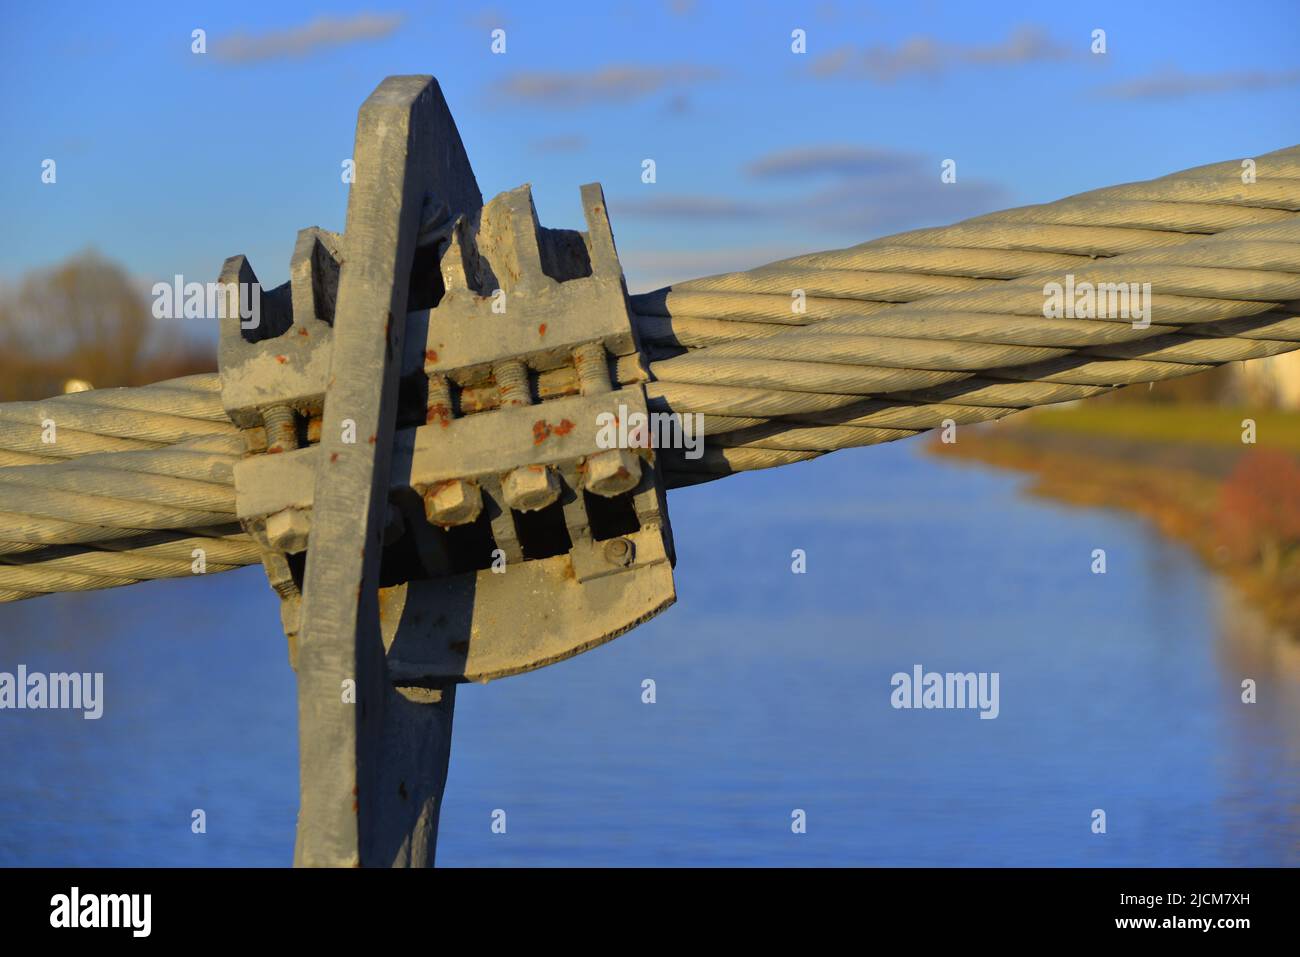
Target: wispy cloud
684 206
619 83
302 40
852 189
571 143
899 200
1174 84
488 20
831 160
928 56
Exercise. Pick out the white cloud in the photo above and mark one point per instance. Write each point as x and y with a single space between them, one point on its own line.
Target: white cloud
305 39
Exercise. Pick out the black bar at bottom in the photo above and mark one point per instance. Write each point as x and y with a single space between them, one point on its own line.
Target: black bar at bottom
239 905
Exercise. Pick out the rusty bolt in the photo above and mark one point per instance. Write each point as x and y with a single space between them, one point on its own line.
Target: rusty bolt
530 487
619 551
287 530
613 472
593 372
453 503
512 383
438 404
281 429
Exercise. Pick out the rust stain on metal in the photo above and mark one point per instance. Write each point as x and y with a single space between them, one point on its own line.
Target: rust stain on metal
543 430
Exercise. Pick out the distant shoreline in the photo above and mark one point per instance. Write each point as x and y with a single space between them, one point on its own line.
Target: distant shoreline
1183 468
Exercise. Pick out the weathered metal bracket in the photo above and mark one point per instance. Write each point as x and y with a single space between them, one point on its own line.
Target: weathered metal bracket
273 377
427 513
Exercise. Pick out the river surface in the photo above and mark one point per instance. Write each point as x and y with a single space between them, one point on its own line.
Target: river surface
1118 692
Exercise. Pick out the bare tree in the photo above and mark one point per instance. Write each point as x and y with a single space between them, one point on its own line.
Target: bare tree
86 319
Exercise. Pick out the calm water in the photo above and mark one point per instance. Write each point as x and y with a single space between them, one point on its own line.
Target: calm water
1117 691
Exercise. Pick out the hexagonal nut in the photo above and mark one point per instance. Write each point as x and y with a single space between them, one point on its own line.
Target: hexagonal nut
620 551
453 503
613 472
287 530
530 487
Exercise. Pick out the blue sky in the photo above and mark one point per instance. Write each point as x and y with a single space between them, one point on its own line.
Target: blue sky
170 161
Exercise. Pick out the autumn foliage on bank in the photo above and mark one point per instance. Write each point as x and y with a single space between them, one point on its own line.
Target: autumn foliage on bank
87 320
1258 517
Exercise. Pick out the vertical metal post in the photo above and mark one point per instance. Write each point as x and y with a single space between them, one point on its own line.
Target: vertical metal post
372 762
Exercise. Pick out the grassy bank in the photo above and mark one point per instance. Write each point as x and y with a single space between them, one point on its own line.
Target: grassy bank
1211 426
1182 467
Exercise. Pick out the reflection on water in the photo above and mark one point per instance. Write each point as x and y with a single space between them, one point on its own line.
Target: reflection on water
1119 691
